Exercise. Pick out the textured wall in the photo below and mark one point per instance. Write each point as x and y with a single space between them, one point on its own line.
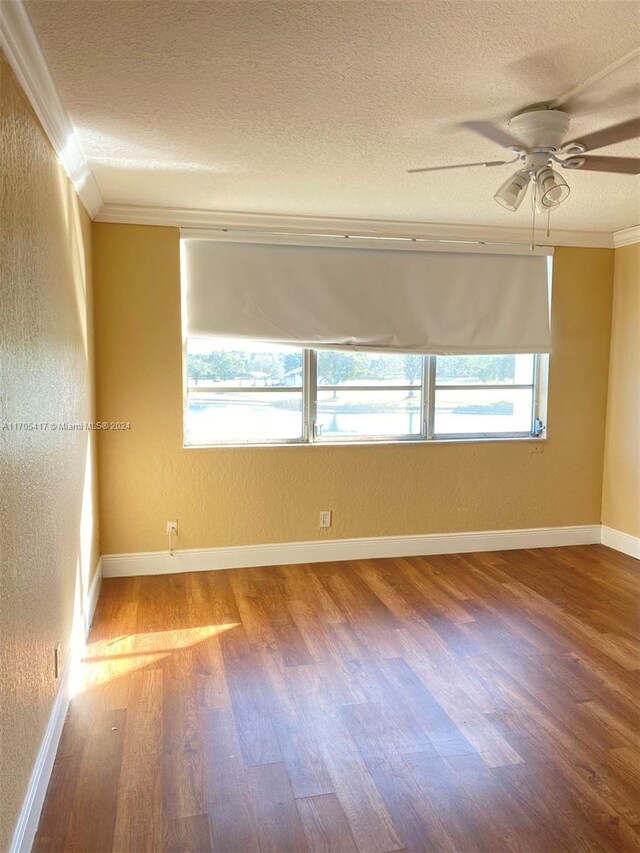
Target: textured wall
243 496
48 545
621 489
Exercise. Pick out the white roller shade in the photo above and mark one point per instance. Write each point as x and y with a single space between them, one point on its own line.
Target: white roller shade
364 298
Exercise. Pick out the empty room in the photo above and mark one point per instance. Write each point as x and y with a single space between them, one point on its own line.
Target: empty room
319 426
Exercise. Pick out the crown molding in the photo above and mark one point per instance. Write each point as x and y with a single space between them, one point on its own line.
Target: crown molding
184 217
626 236
25 56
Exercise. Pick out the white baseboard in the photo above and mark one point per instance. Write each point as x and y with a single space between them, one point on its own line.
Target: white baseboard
208 559
29 817
621 541
32 806
92 599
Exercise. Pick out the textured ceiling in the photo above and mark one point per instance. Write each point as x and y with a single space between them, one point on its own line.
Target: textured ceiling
319 107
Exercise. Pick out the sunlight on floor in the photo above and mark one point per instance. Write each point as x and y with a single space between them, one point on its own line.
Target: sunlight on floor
105 660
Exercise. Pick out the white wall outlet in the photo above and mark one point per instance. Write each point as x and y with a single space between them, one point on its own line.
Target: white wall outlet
172 527
325 518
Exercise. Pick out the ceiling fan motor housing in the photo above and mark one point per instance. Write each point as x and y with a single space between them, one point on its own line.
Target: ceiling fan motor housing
540 128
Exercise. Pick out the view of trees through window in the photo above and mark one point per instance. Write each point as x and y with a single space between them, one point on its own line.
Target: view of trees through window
476 369
339 368
248 391
243 366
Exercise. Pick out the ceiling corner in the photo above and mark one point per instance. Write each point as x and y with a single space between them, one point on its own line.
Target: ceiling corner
25 56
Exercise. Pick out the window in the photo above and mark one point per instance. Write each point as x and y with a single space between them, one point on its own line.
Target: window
243 392
484 395
240 392
368 396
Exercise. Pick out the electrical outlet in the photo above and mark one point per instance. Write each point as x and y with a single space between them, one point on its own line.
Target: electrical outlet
57 660
325 518
172 527
536 447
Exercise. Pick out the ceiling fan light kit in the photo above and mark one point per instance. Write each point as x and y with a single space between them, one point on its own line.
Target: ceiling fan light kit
539 133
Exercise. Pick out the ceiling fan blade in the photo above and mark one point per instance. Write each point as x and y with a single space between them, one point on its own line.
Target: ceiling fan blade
610 135
623 97
495 134
621 165
595 78
460 166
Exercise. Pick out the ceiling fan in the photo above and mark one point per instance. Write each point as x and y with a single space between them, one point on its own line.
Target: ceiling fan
536 136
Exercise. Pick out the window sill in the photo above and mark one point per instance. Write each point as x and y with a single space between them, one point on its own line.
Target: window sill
391 443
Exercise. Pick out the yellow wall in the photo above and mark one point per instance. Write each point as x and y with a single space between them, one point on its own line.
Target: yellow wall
621 489
245 496
47 482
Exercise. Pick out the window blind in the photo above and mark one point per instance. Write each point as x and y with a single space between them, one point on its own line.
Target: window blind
428 302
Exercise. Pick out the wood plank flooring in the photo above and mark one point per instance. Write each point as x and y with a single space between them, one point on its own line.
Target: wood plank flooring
477 702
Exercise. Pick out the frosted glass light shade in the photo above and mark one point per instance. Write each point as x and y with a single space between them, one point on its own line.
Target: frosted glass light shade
513 190
551 188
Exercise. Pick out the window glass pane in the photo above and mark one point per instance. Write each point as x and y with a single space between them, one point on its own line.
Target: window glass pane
244 416
219 362
360 368
484 369
478 411
378 412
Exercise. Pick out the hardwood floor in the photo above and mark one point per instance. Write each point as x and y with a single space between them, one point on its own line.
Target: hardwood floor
480 702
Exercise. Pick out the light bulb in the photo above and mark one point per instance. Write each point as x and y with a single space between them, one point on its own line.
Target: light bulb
551 188
513 190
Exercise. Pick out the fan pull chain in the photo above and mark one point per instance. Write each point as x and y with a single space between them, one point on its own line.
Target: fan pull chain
548 222
533 218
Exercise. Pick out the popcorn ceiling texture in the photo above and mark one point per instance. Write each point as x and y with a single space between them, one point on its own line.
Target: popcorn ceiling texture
245 496
320 107
621 491
49 544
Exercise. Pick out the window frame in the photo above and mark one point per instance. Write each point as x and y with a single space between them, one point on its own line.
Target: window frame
427 389
495 436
